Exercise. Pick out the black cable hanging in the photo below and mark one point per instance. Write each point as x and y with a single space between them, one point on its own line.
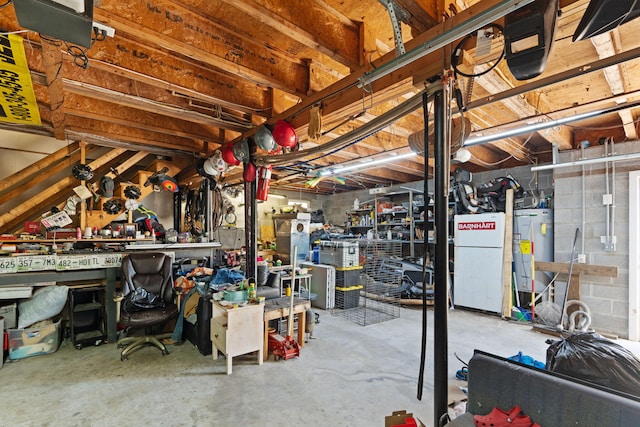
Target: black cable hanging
456 54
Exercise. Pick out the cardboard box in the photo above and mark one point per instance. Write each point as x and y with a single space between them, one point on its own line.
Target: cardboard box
9 313
41 338
401 419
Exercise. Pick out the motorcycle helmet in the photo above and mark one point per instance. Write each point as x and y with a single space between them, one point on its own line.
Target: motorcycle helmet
228 156
112 206
241 150
284 134
82 172
264 139
132 192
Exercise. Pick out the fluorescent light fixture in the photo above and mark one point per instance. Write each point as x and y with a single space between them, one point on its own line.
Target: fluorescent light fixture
629 156
277 196
481 139
391 157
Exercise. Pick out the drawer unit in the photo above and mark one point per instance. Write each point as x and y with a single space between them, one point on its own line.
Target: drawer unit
236 331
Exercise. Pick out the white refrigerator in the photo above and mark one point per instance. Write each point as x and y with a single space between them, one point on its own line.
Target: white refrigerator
478 261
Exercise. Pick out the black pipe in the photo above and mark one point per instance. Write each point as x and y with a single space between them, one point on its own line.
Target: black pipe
250 225
441 257
177 211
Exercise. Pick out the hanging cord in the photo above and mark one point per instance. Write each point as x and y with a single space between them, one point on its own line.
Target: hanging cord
456 55
423 343
216 208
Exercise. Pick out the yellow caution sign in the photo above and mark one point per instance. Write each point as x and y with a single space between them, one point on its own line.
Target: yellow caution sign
525 247
18 102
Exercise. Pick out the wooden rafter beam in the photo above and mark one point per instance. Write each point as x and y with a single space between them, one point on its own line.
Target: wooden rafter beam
316 26
52 60
180 30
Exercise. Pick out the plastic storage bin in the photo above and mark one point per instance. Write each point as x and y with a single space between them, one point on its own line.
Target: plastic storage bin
34 341
348 297
339 253
348 276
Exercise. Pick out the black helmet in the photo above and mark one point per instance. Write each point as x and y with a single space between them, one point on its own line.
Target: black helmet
132 192
112 206
82 172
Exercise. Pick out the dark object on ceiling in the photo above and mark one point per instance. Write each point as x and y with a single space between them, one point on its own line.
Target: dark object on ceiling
73 25
605 15
528 34
82 172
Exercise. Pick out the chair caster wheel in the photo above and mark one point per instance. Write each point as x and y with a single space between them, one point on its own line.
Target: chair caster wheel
123 358
165 352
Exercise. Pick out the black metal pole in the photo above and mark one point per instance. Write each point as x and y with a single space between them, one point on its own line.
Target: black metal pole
250 227
441 256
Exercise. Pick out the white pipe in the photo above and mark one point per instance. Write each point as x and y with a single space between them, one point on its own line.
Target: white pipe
584 202
613 194
606 186
629 156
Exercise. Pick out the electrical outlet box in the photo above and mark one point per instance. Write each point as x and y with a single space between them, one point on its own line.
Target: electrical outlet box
105 29
607 199
582 258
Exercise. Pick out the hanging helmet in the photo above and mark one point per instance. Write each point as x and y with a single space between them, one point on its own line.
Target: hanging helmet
82 172
213 166
264 139
241 150
112 206
227 155
249 172
132 192
169 183
284 134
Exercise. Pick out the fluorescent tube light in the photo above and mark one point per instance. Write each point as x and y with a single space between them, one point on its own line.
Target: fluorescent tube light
366 165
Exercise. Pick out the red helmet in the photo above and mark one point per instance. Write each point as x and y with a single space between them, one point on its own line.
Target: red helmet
228 156
285 134
249 173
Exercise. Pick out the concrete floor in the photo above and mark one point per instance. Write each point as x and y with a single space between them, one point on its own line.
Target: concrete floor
349 375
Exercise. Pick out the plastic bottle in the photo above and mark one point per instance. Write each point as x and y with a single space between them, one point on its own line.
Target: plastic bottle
78 233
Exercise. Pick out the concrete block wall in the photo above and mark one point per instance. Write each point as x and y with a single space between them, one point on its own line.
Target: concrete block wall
607 298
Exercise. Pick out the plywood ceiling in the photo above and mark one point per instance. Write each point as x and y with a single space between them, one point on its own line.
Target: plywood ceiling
182 77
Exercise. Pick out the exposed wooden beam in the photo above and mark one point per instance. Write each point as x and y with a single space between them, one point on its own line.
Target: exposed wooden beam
52 60
177 29
58 187
314 24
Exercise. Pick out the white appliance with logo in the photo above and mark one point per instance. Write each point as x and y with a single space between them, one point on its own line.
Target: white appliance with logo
478 261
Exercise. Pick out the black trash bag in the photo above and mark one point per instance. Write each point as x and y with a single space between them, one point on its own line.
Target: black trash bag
590 357
141 299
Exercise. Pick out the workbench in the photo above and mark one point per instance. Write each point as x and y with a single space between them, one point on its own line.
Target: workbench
278 308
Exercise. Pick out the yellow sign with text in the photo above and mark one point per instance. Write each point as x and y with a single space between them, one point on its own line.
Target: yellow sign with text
18 102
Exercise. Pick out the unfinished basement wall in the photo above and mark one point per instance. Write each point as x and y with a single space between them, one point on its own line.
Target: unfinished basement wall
534 184
607 298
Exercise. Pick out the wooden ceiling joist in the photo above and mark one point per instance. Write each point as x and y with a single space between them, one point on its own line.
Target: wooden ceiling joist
175 28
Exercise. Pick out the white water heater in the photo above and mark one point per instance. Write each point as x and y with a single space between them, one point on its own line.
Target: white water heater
532 238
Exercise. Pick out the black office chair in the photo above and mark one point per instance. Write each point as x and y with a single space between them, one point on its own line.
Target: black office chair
153 272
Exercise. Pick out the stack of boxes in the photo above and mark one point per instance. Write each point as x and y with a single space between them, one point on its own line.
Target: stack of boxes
344 255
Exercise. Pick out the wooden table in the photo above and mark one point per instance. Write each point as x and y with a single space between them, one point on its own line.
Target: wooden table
277 308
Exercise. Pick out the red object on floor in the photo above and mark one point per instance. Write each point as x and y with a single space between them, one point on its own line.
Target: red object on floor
501 418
